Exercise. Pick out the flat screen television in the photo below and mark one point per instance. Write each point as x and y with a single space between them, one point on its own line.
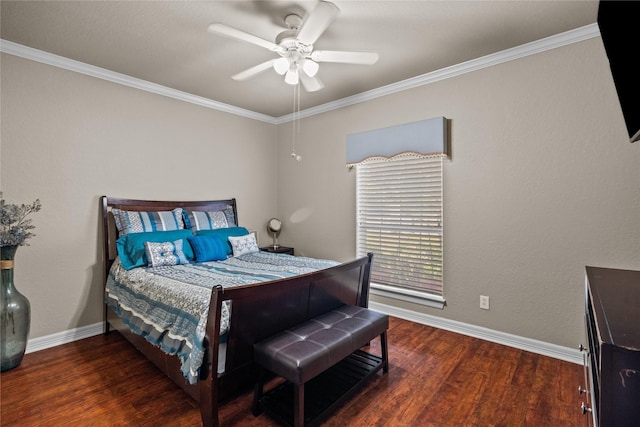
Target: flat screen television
619 23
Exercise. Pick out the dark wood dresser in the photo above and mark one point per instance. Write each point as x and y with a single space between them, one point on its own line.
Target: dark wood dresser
612 355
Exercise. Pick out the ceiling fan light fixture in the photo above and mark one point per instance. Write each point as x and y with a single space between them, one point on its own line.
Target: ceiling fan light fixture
292 77
281 65
310 67
298 61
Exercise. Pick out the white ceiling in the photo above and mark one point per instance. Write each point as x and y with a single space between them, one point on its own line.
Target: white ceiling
167 42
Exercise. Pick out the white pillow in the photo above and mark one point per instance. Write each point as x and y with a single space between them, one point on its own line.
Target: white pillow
243 244
165 253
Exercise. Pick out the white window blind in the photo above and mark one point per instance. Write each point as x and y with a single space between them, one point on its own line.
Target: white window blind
399 220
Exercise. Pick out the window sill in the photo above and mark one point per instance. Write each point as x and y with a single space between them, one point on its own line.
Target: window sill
414 297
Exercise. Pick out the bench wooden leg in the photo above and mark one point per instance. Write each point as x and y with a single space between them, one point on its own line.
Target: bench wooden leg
385 352
257 393
298 405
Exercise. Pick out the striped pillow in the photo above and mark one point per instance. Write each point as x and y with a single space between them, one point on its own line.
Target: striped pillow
141 222
212 220
208 248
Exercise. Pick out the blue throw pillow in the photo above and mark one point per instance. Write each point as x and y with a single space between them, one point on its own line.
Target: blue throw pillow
208 248
223 234
131 246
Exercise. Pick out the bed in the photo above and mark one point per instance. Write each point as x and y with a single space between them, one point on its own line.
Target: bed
201 331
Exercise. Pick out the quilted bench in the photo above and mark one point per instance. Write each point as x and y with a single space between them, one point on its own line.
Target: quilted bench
326 344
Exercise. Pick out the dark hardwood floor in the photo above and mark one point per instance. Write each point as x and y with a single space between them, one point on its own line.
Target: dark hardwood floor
436 378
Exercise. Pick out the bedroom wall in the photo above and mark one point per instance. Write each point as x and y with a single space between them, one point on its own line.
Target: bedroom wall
67 139
542 182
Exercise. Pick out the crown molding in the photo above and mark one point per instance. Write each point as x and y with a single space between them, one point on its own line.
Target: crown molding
123 79
552 42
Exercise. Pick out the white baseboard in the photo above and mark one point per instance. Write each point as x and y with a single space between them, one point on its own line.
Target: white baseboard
64 337
540 347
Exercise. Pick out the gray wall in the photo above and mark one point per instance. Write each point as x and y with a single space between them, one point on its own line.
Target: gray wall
69 139
542 182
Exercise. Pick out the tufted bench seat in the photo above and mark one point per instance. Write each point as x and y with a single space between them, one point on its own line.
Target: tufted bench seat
303 352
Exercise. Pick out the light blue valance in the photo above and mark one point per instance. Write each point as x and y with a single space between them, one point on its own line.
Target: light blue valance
424 137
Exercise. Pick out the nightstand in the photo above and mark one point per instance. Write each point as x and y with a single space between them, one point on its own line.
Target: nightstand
278 250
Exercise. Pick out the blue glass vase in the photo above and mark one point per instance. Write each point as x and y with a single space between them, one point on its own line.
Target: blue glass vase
15 314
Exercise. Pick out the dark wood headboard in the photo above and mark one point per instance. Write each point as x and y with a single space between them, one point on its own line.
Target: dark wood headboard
110 234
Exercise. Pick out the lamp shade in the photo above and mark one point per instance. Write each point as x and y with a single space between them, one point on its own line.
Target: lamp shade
281 65
292 77
310 67
274 225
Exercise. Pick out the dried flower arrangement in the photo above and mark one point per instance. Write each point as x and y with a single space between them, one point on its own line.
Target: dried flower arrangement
16 226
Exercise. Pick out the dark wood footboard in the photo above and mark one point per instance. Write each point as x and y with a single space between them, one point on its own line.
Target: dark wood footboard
257 311
206 391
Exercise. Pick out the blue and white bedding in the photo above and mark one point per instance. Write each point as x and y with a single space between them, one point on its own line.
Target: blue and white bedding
168 305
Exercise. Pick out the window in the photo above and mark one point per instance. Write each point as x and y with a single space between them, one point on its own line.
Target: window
399 219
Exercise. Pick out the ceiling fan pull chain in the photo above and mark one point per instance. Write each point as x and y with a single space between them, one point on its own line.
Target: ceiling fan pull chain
295 126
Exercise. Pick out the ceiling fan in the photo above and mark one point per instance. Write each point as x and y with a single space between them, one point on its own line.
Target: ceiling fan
297 61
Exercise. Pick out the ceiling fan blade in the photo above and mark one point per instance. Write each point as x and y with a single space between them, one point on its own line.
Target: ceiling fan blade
225 30
256 69
364 58
310 84
318 20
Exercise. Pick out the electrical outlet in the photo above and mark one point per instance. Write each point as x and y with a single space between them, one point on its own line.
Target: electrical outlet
484 302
